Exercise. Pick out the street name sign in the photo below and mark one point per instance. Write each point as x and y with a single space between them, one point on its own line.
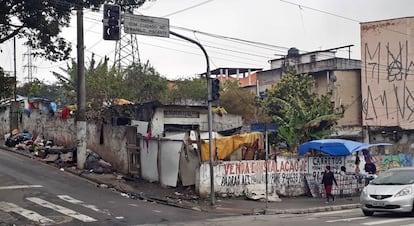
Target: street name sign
146 25
263 127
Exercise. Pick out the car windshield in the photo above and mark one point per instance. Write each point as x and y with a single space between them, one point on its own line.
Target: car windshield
395 177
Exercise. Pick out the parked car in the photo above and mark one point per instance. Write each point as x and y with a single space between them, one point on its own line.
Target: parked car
391 191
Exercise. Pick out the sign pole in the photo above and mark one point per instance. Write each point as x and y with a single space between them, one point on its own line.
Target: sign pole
265 128
267 159
210 115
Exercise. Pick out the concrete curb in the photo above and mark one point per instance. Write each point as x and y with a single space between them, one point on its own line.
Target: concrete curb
169 202
98 182
312 210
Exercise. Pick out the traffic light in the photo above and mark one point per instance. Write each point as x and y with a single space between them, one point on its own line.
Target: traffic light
215 89
112 22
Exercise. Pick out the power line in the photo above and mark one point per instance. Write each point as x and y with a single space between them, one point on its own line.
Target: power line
321 11
339 16
229 38
188 8
219 47
93 19
96 20
196 53
236 40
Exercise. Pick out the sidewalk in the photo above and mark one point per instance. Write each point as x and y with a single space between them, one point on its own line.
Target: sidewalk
187 198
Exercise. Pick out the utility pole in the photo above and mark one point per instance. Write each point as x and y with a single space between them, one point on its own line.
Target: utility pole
15 68
81 105
14 106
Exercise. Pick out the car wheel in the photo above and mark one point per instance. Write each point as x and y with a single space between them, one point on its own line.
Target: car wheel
368 213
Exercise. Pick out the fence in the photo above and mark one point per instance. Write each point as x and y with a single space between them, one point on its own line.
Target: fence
348 185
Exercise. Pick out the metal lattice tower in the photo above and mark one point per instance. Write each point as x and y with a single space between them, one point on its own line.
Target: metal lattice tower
126 52
29 65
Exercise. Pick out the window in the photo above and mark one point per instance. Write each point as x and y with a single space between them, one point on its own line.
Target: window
313 58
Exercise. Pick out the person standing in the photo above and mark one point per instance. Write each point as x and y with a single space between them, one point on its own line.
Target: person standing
328 179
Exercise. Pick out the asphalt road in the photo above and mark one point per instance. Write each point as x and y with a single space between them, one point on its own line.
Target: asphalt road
337 218
33 193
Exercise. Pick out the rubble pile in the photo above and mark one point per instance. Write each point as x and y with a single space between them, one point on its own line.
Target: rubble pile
94 163
47 151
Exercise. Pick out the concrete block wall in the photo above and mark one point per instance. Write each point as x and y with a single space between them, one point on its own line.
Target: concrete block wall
63 132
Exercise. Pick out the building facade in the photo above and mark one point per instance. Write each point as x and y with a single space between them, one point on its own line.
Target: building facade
331 73
387 55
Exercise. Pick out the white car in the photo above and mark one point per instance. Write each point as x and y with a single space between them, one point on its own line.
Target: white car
391 191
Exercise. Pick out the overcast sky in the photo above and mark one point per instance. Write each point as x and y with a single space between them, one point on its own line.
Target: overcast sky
240 33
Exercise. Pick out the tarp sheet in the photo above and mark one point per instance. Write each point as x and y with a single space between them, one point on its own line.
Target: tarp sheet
224 146
336 147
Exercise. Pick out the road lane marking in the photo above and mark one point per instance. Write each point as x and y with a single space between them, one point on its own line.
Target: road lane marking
31 215
387 221
347 219
19 187
69 199
61 209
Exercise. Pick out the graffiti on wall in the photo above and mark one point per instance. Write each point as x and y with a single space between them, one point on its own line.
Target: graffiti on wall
385 162
390 67
281 171
317 165
316 169
292 176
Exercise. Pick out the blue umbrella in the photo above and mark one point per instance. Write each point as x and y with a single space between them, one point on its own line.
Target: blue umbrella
336 147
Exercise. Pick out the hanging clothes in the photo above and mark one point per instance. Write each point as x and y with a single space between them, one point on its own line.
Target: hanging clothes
31 105
27 111
20 114
53 105
367 156
65 113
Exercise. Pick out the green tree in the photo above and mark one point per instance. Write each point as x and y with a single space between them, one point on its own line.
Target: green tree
32 89
41 22
142 83
103 84
301 113
189 88
241 102
138 83
6 85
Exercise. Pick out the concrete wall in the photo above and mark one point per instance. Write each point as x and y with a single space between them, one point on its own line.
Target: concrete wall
178 116
4 120
192 116
347 92
387 55
237 178
286 175
265 79
304 58
63 132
